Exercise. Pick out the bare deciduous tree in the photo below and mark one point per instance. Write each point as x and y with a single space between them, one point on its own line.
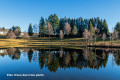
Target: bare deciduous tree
104 37
74 31
90 37
115 35
96 33
67 28
35 28
25 36
11 35
85 34
50 29
61 35
17 32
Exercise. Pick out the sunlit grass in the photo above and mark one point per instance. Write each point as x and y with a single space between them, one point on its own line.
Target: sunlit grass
44 41
39 41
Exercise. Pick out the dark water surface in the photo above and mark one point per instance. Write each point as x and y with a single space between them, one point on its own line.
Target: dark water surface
60 64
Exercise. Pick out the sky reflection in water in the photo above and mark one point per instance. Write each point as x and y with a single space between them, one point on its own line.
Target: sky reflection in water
60 64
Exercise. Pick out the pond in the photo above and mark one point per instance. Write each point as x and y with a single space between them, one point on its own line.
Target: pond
59 64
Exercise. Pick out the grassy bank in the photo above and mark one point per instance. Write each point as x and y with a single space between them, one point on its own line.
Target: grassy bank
41 42
67 42
107 43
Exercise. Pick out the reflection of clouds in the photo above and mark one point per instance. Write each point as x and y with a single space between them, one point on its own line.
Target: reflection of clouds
3 52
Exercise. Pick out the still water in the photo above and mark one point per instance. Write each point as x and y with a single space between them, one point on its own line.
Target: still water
59 64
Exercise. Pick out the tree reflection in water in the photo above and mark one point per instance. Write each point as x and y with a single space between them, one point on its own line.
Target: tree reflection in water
66 58
14 53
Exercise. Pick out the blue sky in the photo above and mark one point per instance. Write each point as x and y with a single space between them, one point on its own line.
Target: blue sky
22 12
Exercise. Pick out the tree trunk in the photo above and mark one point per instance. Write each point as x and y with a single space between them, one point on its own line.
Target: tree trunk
103 42
95 40
24 41
49 38
11 42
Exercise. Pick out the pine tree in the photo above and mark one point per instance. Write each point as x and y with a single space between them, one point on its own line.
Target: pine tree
72 23
3 28
105 26
30 30
42 27
74 31
54 21
100 25
117 28
91 28
61 24
81 27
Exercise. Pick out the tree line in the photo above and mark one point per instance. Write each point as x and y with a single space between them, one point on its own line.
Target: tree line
70 27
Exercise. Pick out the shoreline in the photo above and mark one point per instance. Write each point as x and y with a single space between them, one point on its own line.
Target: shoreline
68 42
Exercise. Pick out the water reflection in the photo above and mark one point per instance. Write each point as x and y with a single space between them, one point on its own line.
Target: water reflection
14 53
64 58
